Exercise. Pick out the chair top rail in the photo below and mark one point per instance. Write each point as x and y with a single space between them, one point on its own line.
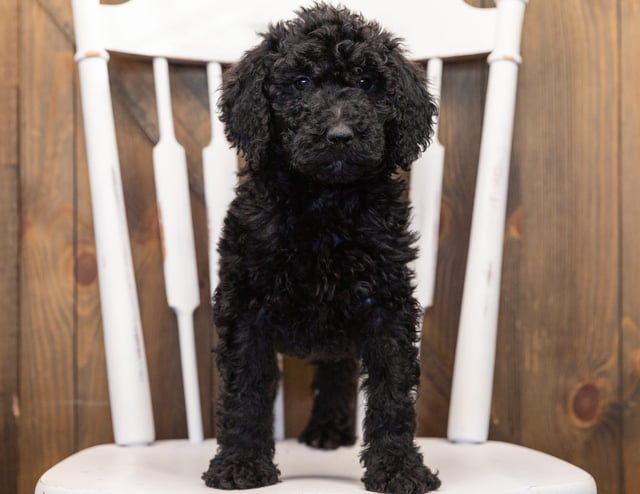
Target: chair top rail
206 30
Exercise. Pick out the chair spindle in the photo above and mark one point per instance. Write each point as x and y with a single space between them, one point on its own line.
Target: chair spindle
425 193
129 392
470 409
174 214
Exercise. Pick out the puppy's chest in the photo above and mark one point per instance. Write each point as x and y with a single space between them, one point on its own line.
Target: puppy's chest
325 262
324 257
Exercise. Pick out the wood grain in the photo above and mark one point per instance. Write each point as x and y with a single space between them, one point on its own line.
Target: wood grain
9 248
630 204
567 147
59 12
47 331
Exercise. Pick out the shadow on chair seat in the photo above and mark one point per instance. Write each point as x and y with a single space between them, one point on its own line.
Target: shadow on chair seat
175 466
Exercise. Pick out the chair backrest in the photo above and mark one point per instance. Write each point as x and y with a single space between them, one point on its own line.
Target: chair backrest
214 33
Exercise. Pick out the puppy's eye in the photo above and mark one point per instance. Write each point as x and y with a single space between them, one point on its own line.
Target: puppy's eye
365 83
302 82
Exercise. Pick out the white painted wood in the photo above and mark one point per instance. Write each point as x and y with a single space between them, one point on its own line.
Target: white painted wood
129 392
469 412
170 467
205 30
361 408
278 408
220 165
174 213
426 195
190 376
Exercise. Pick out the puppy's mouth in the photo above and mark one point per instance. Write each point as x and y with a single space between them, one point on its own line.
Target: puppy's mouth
336 166
339 171
336 171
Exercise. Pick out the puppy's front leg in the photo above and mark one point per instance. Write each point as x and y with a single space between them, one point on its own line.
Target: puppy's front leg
249 371
392 460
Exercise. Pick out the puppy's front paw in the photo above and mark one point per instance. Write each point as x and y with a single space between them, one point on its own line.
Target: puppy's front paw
327 436
239 472
410 477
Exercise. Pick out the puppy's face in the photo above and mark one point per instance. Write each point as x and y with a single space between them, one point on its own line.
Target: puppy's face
329 95
330 104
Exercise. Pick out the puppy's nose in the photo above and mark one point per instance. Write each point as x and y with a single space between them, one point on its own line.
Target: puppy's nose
339 134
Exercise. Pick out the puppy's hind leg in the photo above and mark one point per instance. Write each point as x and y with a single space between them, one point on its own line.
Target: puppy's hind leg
249 371
332 422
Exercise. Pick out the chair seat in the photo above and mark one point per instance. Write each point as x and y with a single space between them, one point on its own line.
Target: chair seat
175 466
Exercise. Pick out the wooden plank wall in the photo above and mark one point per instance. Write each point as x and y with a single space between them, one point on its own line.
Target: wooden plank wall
630 239
568 375
9 224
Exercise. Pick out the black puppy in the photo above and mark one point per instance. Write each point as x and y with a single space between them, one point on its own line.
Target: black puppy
315 249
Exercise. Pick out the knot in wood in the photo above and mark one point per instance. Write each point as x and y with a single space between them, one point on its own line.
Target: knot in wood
586 404
86 268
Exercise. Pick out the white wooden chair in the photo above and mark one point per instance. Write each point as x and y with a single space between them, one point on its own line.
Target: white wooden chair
214 33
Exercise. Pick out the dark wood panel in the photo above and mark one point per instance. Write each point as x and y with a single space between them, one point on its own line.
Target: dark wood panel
567 322
9 221
47 258
630 184
59 12
298 398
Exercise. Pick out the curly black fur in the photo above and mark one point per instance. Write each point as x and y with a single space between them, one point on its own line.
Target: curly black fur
316 246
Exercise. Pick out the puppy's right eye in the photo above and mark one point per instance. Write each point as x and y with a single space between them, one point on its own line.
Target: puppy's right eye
365 83
301 83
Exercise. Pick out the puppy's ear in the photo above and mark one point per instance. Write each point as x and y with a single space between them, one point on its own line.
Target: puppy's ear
411 130
244 106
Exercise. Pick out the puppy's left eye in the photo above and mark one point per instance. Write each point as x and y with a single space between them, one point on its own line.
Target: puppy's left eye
365 83
302 82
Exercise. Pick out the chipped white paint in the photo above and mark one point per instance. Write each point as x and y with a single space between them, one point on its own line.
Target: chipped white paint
469 411
174 466
222 31
126 363
220 164
426 195
15 406
278 407
174 213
